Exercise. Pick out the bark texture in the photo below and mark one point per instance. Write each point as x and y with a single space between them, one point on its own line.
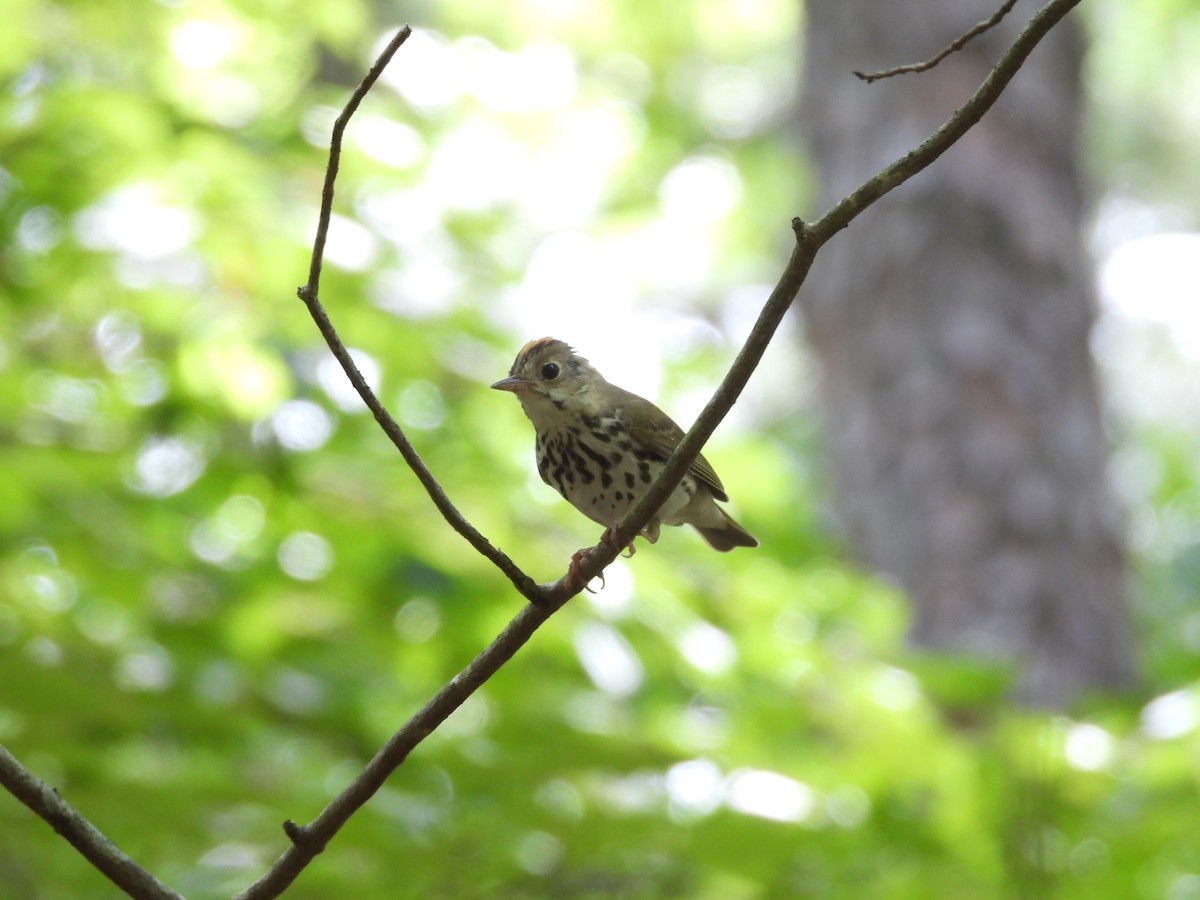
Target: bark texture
952 326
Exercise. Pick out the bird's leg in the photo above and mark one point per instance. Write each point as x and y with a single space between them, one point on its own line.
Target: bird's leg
574 576
610 537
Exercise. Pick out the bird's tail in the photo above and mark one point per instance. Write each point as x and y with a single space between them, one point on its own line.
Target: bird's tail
727 536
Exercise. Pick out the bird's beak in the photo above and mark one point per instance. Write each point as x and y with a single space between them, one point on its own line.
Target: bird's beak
513 383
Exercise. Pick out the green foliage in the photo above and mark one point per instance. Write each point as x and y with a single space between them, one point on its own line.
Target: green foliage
221 590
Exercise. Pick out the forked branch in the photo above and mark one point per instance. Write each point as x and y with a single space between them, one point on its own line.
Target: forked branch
309 840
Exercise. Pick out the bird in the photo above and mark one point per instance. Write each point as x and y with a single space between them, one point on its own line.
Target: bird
601 447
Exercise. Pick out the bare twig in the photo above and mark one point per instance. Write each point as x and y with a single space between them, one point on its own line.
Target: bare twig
809 239
82 834
523 583
309 840
335 155
953 47
309 293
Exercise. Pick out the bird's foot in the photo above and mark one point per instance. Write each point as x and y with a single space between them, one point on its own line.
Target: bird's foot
610 537
575 578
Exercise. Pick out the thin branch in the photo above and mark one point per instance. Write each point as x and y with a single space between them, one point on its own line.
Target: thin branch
310 293
961 121
311 839
335 154
522 582
809 239
79 832
953 47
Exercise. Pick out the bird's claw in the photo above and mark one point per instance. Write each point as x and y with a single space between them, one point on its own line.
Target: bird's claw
575 577
610 537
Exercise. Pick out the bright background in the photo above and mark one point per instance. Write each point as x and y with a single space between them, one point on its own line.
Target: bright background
221 590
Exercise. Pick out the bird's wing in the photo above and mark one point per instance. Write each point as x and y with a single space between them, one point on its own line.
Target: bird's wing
662 437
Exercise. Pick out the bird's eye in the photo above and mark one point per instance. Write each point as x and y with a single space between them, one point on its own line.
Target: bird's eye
550 371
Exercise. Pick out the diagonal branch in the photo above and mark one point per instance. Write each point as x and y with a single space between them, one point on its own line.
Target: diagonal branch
953 47
311 839
948 134
80 833
523 583
335 155
810 239
309 293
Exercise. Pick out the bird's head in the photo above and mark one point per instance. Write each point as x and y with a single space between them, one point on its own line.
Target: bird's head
549 378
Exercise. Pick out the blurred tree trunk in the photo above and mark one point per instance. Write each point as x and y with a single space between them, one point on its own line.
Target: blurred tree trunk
951 323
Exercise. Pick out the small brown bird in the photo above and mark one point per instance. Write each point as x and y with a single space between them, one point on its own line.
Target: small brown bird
601 446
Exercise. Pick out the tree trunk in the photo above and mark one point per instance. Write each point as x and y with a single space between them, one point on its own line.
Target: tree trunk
951 323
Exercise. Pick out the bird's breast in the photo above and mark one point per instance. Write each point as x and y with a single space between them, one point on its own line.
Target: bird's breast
595 465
